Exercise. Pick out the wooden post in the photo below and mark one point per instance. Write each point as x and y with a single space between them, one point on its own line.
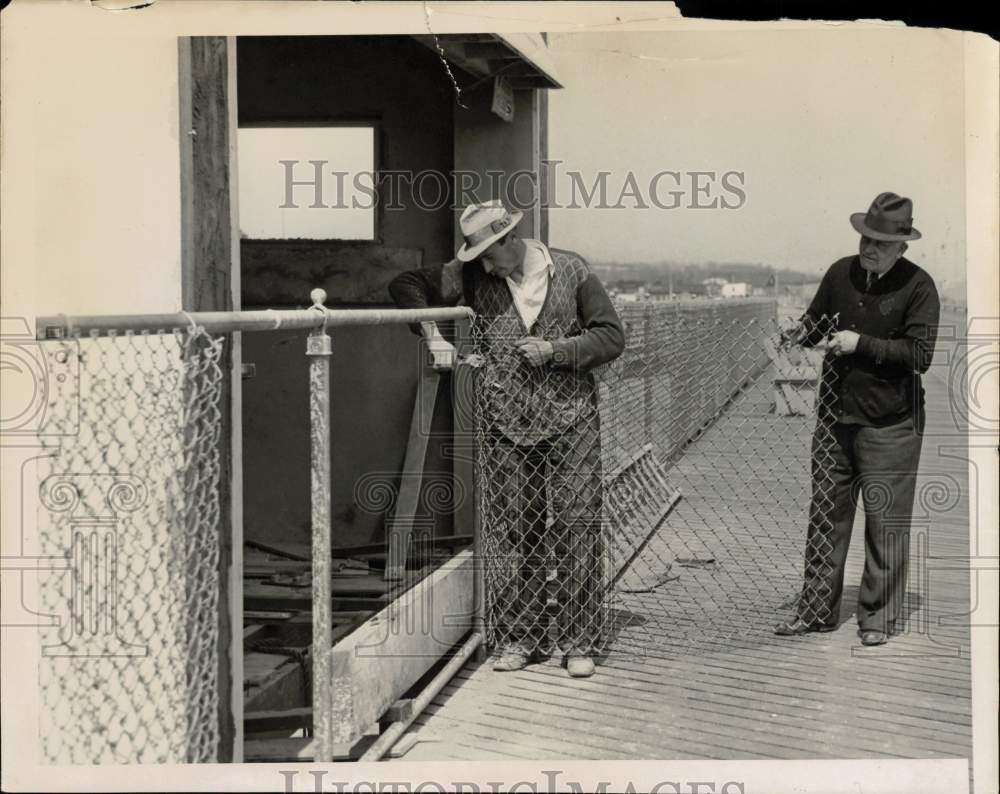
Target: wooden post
209 260
400 527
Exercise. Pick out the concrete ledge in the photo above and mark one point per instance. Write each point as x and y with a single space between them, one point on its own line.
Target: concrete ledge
376 664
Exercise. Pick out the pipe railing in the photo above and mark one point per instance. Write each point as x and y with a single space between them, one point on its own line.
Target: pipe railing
317 319
61 326
392 734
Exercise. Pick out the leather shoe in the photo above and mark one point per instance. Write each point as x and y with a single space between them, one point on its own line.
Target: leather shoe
580 666
511 660
873 637
794 628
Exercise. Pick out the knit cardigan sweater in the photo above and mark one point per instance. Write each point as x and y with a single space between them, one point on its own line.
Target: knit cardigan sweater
528 404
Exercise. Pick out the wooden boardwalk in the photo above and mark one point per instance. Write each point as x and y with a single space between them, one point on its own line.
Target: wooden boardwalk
695 671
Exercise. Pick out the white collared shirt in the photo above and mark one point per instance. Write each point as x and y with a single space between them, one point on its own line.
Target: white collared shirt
536 271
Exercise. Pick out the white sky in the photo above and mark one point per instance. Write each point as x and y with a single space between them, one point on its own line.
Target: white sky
263 182
819 121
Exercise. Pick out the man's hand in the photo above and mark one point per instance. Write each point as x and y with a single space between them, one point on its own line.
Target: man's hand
443 354
843 343
442 351
536 352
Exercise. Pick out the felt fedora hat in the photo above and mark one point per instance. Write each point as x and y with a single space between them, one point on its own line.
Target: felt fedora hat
890 217
484 224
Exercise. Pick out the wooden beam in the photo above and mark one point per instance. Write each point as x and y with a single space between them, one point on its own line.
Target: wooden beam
235 468
293 551
266 597
300 749
375 549
278 719
400 526
249 631
208 235
267 616
283 688
271 750
376 664
490 50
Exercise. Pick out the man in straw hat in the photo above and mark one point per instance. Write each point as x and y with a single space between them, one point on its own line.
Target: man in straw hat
543 323
870 423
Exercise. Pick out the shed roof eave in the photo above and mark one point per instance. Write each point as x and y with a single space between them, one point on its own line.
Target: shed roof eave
522 57
533 49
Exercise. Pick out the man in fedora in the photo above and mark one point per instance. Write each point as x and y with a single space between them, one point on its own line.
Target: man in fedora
543 323
870 421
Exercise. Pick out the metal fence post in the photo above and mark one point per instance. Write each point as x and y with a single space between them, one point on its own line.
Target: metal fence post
478 562
318 349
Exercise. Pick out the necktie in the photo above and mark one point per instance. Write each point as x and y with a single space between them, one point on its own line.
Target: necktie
870 277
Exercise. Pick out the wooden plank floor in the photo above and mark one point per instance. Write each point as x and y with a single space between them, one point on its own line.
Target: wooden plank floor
695 672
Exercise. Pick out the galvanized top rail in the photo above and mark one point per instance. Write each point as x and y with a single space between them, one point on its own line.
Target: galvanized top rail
62 326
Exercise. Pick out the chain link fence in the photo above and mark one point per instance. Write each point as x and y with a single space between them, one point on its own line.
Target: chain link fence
664 496
129 511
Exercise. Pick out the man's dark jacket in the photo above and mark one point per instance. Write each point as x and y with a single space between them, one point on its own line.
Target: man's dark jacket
897 319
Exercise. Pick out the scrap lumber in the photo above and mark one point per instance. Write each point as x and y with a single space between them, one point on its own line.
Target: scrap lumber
266 615
375 550
293 551
299 748
271 750
283 686
291 719
260 596
258 667
249 631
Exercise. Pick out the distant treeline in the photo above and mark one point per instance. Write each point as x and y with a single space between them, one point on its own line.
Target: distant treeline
689 278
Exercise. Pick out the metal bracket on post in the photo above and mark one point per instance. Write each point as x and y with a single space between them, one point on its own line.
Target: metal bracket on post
319 349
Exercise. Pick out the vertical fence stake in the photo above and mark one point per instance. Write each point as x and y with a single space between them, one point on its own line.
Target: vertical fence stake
318 349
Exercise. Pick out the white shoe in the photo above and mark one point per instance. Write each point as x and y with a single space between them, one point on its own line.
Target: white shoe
580 666
510 660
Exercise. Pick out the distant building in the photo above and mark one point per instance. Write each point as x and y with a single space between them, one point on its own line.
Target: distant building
713 286
722 288
625 297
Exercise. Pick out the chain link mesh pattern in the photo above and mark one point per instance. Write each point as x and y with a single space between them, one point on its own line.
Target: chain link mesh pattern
130 513
691 480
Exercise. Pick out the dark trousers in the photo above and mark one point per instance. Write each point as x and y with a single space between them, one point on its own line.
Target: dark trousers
548 496
878 466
